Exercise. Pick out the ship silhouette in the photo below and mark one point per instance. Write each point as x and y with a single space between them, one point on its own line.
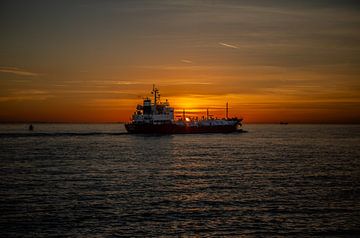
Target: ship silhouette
158 118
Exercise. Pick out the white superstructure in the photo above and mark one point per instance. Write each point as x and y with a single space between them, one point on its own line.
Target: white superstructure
156 112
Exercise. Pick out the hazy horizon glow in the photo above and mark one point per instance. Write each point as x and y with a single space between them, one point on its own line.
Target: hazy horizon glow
93 61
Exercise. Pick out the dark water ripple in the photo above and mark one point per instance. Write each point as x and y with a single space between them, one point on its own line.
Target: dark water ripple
91 180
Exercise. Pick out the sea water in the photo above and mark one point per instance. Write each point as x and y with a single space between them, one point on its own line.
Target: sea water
94 180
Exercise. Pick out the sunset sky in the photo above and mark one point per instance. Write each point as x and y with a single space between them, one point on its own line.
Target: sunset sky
93 61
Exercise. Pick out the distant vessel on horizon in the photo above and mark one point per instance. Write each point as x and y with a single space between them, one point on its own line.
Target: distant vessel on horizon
158 118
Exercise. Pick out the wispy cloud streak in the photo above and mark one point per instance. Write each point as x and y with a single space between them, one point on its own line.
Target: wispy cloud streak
186 61
228 45
17 71
26 95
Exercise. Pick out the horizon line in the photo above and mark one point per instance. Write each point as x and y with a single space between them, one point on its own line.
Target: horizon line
123 122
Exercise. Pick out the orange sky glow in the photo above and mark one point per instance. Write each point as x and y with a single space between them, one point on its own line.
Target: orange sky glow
94 61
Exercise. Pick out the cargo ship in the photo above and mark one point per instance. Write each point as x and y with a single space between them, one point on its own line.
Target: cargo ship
156 117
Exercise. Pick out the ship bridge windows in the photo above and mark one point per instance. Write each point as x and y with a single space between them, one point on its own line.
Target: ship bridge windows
147 110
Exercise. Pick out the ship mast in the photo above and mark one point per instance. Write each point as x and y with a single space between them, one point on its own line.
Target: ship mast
227 110
155 91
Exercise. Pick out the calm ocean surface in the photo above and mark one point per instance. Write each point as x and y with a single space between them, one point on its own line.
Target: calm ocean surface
92 180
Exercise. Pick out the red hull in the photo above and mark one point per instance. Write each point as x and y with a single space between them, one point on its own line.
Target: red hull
178 129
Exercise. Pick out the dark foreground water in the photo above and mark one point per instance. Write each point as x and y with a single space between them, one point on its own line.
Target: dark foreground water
95 181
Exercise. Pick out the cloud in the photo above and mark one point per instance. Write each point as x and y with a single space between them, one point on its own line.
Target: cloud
188 83
26 95
17 71
186 61
185 67
228 45
127 82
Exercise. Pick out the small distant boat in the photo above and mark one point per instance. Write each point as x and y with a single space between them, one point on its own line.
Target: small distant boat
158 118
283 123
